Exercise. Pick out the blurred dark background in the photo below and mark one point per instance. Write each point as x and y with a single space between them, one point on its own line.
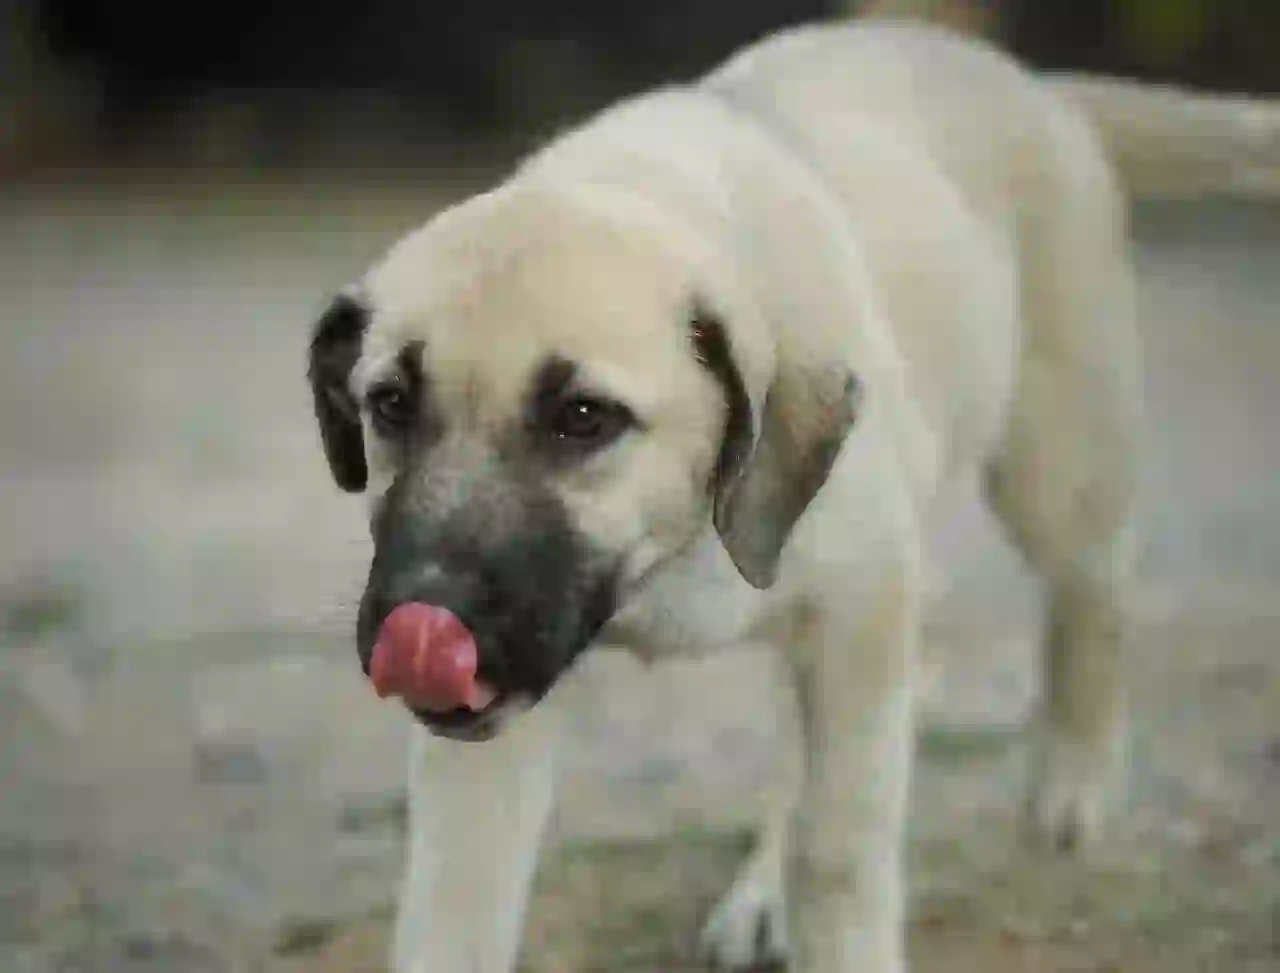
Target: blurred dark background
261 79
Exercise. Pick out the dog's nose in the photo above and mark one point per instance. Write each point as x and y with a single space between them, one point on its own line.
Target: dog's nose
429 581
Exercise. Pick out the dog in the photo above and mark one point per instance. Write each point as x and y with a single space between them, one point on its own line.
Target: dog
694 374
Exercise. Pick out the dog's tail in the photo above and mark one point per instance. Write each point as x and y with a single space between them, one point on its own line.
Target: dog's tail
1169 142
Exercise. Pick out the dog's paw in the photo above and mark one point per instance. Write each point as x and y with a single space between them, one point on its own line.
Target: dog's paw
1066 803
747 929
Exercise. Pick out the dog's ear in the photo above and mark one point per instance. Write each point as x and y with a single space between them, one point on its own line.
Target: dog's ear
335 347
776 456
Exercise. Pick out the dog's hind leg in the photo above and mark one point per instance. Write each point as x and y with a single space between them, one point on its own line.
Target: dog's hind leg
1064 481
1071 528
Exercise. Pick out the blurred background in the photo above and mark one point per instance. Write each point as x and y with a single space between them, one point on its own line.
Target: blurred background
193 776
272 82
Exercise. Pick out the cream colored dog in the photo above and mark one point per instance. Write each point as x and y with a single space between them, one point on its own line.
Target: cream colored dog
693 375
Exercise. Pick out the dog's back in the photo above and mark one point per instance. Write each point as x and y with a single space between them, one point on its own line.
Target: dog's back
969 108
937 149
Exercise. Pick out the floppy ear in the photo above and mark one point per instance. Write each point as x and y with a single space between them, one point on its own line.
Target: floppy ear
774 459
335 348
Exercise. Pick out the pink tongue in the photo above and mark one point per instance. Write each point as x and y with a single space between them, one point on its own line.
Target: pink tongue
428 658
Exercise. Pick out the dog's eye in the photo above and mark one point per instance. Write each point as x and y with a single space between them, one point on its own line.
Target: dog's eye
585 422
391 407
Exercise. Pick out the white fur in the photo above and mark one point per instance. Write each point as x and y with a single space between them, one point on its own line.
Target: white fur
476 817
915 207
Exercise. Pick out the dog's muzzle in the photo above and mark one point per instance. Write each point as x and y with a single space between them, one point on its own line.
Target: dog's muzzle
531 601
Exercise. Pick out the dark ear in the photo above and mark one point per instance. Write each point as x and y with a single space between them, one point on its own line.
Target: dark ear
335 348
771 467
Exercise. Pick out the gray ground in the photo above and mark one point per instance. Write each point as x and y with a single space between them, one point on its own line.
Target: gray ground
195 778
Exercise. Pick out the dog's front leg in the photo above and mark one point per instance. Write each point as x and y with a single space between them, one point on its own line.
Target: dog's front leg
477 812
854 671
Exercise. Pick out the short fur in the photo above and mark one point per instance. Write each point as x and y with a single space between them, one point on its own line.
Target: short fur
849 267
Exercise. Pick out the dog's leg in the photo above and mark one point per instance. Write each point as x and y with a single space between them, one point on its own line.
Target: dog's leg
854 678
1064 479
1081 734
747 928
476 814
1073 529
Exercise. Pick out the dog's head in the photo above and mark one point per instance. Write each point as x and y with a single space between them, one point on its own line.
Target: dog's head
545 399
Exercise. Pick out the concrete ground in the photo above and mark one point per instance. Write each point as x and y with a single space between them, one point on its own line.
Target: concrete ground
196 779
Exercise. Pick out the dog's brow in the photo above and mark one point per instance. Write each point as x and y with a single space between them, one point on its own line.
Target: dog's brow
551 380
409 363
406 373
